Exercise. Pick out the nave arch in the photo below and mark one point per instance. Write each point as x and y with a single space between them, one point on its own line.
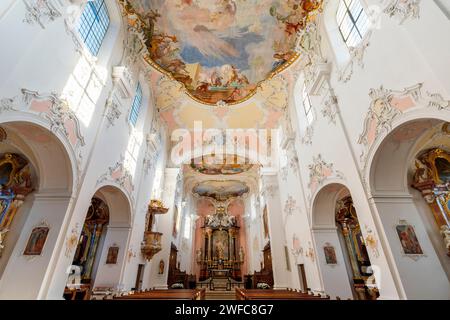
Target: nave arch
52 181
103 243
399 204
344 263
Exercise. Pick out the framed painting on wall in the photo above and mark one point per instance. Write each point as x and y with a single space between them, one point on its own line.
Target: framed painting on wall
113 253
161 267
408 239
330 254
36 241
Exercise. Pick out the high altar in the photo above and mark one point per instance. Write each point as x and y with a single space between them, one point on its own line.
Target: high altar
221 254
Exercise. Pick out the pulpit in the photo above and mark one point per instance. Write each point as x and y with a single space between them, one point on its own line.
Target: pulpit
151 243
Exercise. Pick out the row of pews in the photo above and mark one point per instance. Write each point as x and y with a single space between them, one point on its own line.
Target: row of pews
265 294
171 294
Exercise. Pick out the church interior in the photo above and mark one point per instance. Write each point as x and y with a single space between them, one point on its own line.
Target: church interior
225 150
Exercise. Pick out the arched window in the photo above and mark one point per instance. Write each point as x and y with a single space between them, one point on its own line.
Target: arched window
94 24
307 106
353 21
136 106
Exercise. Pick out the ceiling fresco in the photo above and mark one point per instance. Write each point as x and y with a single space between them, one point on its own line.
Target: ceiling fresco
263 110
221 190
220 50
229 166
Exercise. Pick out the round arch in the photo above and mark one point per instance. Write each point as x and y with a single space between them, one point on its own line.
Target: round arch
389 175
53 174
324 203
113 245
118 201
375 152
343 260
50 152
335 281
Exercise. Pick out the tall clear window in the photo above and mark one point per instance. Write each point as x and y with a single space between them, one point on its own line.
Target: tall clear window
94 24
353 21
136 106
444 5
307 106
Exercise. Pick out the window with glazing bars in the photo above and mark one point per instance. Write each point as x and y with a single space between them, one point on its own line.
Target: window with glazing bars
353 21
307 106
93 25
136 106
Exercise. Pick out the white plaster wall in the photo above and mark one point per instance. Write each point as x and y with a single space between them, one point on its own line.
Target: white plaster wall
335 278
398 56
46 60
423 278
110 275
24 275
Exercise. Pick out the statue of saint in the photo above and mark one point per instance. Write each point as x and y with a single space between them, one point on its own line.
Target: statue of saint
241 254
199 255
219 250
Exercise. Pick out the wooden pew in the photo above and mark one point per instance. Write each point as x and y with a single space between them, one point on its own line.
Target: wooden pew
256 294
175 294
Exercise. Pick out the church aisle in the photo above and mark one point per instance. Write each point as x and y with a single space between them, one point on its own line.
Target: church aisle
220 295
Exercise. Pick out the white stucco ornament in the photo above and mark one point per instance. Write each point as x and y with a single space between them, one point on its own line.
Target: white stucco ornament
402 9
41 12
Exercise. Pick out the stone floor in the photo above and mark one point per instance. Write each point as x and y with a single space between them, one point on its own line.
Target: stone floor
220 295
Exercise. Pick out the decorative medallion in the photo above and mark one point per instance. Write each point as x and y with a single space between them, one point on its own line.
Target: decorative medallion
319 171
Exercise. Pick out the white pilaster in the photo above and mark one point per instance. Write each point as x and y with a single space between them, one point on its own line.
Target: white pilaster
164 225
276 230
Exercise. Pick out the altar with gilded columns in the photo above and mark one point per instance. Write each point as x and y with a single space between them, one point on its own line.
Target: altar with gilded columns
221 254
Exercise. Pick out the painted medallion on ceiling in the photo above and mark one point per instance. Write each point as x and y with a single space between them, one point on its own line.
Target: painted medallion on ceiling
220 50
221 190
229 165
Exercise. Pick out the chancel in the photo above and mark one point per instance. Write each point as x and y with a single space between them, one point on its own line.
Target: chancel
224 150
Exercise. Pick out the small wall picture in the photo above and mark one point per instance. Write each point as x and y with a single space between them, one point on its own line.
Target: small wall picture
161 267
36 241
330 254
408 239
113 253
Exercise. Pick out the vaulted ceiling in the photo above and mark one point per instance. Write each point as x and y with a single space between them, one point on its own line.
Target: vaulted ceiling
221 50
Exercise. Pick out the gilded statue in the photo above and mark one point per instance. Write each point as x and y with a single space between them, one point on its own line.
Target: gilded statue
199 255
241 254
445 231
422 173
2 238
